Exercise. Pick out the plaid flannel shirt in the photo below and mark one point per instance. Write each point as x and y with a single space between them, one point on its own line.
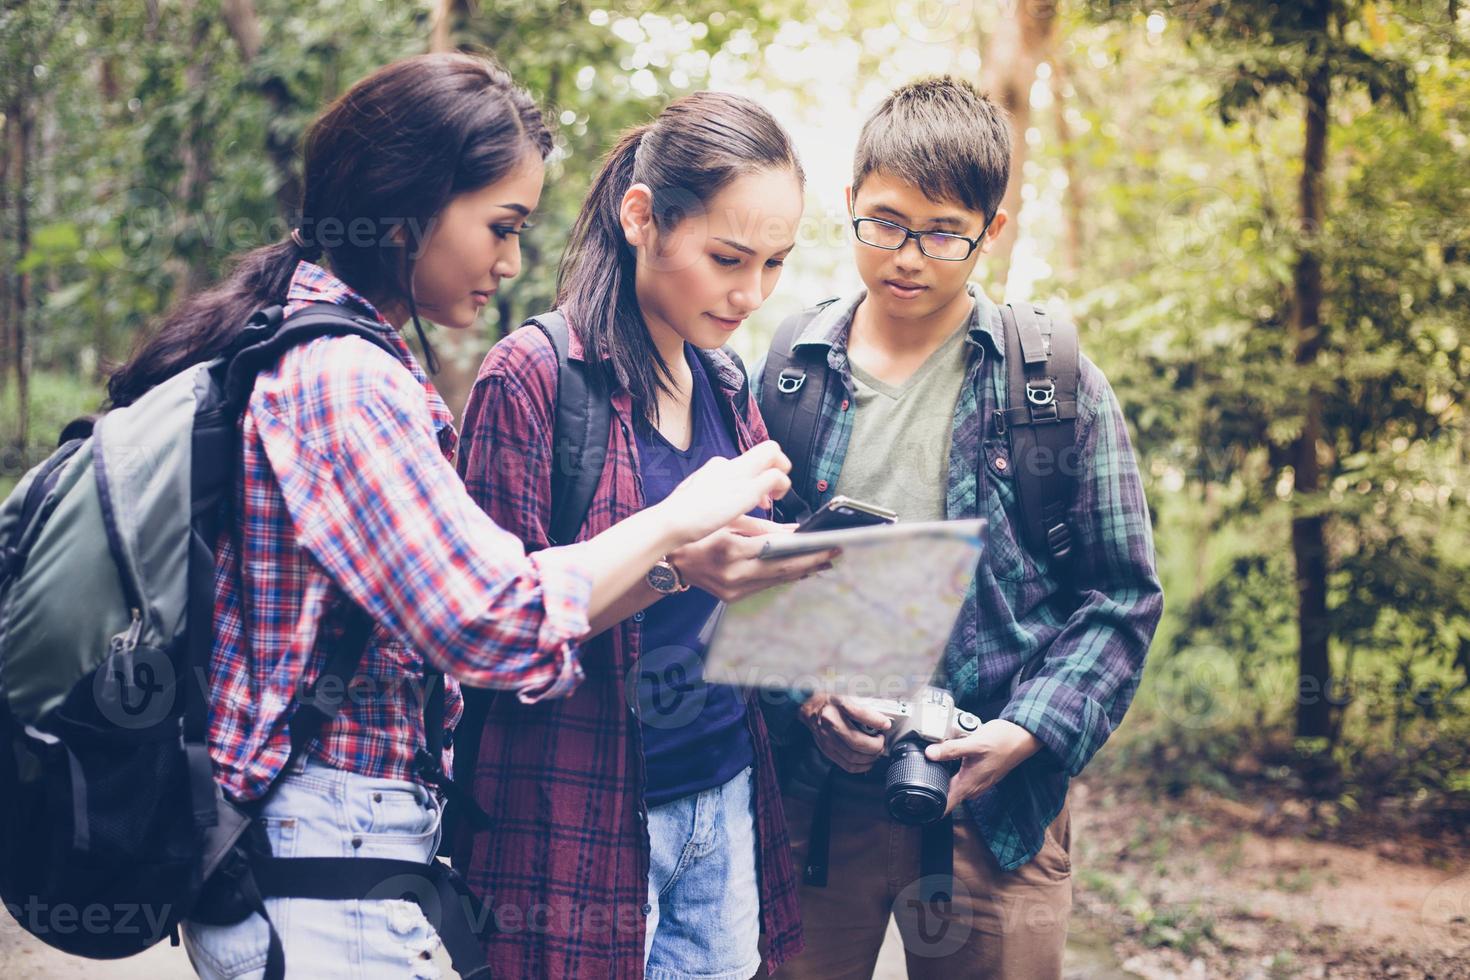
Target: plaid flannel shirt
565 863
1087 644
347 487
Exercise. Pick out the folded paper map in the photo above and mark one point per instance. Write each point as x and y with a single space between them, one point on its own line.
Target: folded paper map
874 625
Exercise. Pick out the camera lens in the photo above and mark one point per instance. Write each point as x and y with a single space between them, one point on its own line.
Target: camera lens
916 789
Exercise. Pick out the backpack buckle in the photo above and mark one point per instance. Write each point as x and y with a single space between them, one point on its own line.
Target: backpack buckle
790 381
1043 398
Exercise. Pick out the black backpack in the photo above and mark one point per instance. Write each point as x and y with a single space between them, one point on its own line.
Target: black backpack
583 421
108 803
1040 422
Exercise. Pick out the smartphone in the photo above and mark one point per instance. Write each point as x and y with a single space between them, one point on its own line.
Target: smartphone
844 512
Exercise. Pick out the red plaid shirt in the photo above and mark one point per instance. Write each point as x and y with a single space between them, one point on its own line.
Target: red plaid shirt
565 864
347 486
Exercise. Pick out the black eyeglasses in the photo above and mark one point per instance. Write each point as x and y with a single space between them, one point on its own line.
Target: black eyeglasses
935 244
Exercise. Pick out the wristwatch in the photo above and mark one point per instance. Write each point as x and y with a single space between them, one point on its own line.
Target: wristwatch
664 578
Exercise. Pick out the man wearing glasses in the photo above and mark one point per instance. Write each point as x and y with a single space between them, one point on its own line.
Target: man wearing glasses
911 373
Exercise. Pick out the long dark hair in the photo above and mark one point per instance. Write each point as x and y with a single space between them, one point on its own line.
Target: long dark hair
695 147
389 154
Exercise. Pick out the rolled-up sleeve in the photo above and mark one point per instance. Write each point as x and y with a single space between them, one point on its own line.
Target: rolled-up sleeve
374 501
1088 677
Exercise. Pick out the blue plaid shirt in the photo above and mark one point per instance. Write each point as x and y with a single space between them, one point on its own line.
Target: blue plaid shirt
1091 639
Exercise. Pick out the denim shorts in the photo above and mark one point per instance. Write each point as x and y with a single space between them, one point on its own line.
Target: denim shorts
318 811
704 902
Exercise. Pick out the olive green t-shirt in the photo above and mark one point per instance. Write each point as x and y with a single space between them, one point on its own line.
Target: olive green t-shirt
898 454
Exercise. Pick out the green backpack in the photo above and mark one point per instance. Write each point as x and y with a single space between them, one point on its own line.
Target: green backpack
112 828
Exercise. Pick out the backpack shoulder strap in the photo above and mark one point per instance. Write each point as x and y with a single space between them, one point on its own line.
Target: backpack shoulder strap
1041 420
579 440
268 335
790 406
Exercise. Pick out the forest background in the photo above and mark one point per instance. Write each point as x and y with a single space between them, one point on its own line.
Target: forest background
1258 213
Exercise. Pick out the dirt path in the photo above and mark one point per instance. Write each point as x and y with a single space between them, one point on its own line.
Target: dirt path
1194 888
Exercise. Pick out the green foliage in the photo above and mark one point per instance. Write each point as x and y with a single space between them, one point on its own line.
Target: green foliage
1186 294
114 242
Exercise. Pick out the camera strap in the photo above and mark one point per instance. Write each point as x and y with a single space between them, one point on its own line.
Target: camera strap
936 861
819 841
936 849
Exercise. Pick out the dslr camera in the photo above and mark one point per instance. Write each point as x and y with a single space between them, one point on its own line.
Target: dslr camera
916 789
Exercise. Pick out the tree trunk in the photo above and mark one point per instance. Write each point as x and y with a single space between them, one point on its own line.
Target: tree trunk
20 346
197 157
1308 539
7 281
244 26
1020 43
1073 201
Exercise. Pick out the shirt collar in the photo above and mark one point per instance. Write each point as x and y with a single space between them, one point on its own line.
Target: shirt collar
313 284
830 327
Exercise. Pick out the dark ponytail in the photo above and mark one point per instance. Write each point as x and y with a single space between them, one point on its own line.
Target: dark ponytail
696 146
381 163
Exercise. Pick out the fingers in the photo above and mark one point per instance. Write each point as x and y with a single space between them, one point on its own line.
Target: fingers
858 712
968 783
945 751
755 526
857 741
767 455
768 465
795 567
839 751
774 483
953 749
854 751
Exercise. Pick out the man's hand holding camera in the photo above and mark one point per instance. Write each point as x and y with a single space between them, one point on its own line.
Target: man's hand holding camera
837 725
985 756
856 732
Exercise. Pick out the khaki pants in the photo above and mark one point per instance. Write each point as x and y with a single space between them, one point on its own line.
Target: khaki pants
1001 924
